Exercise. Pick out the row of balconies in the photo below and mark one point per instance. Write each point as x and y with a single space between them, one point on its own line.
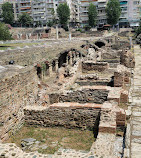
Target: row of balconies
38 6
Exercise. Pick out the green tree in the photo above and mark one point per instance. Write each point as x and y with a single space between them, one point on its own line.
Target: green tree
113 11
25 19
4 32
7 13
92 15
138 30
50 23
63 12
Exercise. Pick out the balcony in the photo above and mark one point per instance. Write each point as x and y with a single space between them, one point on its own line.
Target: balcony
38 5
102 6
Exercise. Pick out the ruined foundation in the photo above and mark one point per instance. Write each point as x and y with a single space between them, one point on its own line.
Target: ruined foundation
81 87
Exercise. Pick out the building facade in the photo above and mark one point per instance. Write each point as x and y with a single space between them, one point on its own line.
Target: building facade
83 10
101 8
25 6
44 11
134 13
123 21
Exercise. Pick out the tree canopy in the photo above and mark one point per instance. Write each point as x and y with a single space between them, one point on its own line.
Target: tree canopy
63 12
7 13
92 15
25 19
113 11
4 32
138 30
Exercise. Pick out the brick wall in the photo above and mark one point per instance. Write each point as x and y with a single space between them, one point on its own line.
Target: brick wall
92 66
16 92
69 115
98 96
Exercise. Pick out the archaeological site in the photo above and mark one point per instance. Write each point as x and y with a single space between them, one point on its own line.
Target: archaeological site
83 84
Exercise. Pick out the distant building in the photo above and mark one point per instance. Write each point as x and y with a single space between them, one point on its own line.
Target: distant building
102 18
123 21
83 11
24 6
42 10
134 13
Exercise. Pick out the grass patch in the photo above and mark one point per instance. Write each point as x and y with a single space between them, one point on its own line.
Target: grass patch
14 45
55 138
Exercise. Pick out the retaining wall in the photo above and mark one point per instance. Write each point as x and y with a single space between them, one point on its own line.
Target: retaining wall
16 92
90 95
92 66
69 115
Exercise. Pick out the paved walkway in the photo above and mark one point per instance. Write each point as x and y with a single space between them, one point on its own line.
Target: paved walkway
136 107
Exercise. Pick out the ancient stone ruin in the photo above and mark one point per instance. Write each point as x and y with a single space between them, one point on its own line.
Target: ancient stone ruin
77 84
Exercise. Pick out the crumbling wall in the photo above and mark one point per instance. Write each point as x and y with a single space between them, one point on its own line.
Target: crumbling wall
69 115
92 66
16 92
121 76
127 59
81 96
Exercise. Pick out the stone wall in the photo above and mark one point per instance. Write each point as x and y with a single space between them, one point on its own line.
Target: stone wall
98 96
127 58
16 92
75 115
121 76
92 66
69 115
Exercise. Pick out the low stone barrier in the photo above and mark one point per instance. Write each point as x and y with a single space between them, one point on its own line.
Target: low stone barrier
83 95
94 66
69 115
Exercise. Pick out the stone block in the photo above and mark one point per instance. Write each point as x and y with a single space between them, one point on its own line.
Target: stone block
124 96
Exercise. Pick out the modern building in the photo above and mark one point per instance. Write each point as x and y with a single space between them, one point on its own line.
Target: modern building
83 10
101 8
44 11
123 21
134 13
39 11
24 6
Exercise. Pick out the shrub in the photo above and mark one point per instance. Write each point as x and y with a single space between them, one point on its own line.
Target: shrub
4 32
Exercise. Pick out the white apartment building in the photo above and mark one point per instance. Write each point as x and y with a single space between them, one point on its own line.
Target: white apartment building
83 10
134 13
102 18
42 10
24 6
123 21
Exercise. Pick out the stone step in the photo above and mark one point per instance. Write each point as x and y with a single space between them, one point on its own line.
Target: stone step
136 114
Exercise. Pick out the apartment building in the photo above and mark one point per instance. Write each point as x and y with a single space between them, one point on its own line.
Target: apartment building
134 13
39 11
24 6
42 10
101 8
83 10
123 21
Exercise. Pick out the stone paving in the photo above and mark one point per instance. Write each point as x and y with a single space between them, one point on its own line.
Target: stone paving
136 107
10 150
